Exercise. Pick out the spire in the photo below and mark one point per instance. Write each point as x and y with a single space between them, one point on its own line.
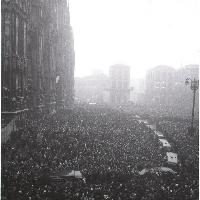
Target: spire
68 12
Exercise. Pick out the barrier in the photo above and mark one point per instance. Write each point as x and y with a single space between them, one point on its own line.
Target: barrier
6 131
15 119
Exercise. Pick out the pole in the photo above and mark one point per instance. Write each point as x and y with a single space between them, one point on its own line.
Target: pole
194 87
194 91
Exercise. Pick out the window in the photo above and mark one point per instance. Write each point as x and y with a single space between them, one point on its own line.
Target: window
8 48
17 30
5 76
40 49
7 34
24 39
7 22
17 81
21 38
7 30
23 5
41 13
20 3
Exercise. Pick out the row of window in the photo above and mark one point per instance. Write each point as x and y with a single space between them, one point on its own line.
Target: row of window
160 76
14 35
120 84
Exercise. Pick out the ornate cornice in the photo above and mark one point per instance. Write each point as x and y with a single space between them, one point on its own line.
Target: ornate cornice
13 7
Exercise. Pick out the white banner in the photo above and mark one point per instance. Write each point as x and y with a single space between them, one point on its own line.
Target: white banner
172 157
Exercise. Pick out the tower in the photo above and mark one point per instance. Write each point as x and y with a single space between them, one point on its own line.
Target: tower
120 83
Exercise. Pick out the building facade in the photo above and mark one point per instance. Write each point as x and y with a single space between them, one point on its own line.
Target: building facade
183 95
37 54
15 63
165 88
159 84
92 89
189 71
138 94
120 84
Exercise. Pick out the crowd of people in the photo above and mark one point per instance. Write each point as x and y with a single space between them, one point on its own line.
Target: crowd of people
108 147
187 147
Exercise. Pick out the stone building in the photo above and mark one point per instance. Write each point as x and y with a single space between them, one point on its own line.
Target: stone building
183 95
165 88
92 89
138 94
189 71
37 54
120 84
159 85
14 60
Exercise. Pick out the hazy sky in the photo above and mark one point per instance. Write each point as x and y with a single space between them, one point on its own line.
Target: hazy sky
139 33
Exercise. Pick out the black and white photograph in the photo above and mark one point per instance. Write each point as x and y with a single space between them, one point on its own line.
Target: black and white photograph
100 99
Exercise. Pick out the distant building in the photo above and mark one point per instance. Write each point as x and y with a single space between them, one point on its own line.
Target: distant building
92 89
165 87
189 71
137 96
120 84
182 94
37 54
159 83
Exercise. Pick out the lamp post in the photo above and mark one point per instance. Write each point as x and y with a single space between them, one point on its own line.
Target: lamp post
194 85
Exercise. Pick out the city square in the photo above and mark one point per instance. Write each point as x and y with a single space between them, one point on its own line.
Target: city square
70 134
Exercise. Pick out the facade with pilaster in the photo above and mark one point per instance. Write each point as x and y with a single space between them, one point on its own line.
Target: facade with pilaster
37 54
120 84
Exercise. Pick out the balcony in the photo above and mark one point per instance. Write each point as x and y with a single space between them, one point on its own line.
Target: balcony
15 72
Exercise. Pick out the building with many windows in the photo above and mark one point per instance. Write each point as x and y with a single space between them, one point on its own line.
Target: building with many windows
92 89
37 54
159 84
183 95
165 87
119 84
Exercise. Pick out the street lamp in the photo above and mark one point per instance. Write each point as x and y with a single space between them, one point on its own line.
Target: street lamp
194 85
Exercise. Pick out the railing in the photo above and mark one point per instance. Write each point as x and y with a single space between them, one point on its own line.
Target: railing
12 121
13 93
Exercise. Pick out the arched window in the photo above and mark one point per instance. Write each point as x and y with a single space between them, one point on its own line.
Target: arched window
25 39
17 35
21 38
7 34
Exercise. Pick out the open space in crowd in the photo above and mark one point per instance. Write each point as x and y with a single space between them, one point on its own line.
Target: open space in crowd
108 147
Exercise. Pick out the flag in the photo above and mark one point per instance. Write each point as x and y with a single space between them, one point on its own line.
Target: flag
144 171
159 134
165 143
76 174
157 170
68 173
57 79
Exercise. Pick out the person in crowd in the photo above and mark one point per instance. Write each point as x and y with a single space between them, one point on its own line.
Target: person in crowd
108 147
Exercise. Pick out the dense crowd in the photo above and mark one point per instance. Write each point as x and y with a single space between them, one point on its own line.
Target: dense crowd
108 147
187 146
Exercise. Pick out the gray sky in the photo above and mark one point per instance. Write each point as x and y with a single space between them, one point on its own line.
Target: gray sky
139 33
